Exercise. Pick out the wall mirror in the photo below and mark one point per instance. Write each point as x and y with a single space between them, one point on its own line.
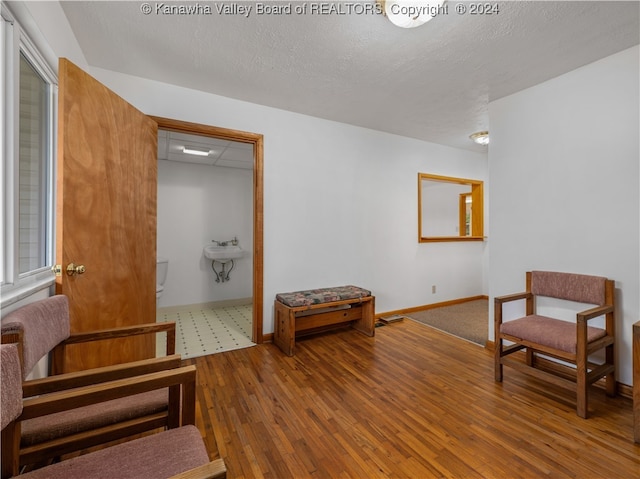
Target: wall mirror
449 209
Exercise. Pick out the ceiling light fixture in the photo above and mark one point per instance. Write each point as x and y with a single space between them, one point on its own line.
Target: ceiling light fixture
190 150
481 138
411 13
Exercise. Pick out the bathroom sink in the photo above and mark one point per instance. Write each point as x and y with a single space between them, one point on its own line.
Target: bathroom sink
223 253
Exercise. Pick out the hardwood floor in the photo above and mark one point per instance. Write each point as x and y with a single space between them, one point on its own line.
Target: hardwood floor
410 403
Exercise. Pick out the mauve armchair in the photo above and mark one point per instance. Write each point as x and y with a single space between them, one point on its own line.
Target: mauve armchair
571 342
179 453
42 328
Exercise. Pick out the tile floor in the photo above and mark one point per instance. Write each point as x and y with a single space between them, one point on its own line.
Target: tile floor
202 331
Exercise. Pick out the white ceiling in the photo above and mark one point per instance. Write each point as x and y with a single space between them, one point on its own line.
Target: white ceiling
433 82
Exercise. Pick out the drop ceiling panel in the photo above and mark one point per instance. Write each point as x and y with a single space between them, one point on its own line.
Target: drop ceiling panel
225 153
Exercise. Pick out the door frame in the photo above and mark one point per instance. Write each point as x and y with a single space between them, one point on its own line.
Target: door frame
257 141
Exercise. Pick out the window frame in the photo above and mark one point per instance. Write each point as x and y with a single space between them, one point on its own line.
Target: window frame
15 286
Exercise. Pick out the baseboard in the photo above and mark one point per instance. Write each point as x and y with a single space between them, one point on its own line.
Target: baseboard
431 306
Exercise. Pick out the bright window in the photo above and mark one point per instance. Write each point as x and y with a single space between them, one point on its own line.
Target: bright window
33 174
27 144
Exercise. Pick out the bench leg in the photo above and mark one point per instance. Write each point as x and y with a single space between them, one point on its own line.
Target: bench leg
284 331
367 323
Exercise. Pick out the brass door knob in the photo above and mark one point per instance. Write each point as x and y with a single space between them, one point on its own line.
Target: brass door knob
75 269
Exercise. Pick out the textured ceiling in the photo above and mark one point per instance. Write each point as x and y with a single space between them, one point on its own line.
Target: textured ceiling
433 82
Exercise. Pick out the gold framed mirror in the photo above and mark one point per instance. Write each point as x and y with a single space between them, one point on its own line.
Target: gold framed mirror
449 209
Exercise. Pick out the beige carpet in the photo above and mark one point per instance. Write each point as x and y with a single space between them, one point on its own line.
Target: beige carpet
466 320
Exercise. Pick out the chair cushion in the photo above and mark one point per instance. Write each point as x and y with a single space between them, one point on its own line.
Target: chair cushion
62 424
323 295
550 332
44 323
157 456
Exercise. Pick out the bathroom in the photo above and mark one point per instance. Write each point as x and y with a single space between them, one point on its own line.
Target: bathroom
204 198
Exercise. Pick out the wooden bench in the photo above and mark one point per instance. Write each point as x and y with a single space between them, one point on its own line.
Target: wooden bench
307 312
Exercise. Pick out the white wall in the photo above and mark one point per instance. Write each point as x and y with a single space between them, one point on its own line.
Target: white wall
197 204
564 194
340 203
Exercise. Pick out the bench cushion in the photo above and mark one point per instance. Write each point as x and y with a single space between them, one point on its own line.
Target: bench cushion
550 332
320 296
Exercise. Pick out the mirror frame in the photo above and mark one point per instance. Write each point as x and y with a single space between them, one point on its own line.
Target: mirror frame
477 212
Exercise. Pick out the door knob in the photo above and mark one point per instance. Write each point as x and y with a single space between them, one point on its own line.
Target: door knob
75 269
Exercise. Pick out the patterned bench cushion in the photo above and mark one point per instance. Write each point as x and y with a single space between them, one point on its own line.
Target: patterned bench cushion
550 332
320 296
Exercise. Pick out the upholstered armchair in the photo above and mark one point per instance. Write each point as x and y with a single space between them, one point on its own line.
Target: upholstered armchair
177 452
570 342
42 328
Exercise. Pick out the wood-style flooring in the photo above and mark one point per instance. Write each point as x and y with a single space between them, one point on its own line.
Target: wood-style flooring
410 403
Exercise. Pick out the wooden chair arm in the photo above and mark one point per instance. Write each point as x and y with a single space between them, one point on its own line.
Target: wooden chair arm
511 297
58 352
212 470
96 393
594 312
77 379
120 332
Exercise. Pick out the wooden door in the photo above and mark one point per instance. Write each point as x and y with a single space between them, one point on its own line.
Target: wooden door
106 216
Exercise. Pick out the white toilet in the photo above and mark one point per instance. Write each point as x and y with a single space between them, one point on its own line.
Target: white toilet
162 266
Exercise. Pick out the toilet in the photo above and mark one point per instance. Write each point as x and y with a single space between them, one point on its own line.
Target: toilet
162 266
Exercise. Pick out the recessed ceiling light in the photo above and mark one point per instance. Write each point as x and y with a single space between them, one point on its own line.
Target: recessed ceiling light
190 150
481 138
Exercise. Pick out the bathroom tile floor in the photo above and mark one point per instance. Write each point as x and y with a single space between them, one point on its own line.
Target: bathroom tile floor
203 331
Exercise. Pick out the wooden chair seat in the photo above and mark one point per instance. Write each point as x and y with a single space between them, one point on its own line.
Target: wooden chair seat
549 332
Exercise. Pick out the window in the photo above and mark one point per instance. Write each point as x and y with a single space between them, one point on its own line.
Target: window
27 143
33 171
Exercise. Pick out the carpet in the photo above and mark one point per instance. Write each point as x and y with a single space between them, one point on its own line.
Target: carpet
466 320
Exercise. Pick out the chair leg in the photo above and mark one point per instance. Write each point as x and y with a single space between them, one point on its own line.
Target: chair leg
531 358
610 385
582 399
582 387
497 360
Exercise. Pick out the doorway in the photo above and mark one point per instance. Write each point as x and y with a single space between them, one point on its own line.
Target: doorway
256 141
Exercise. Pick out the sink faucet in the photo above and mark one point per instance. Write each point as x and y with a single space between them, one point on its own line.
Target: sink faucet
234 242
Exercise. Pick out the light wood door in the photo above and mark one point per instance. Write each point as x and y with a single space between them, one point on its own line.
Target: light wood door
106 216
